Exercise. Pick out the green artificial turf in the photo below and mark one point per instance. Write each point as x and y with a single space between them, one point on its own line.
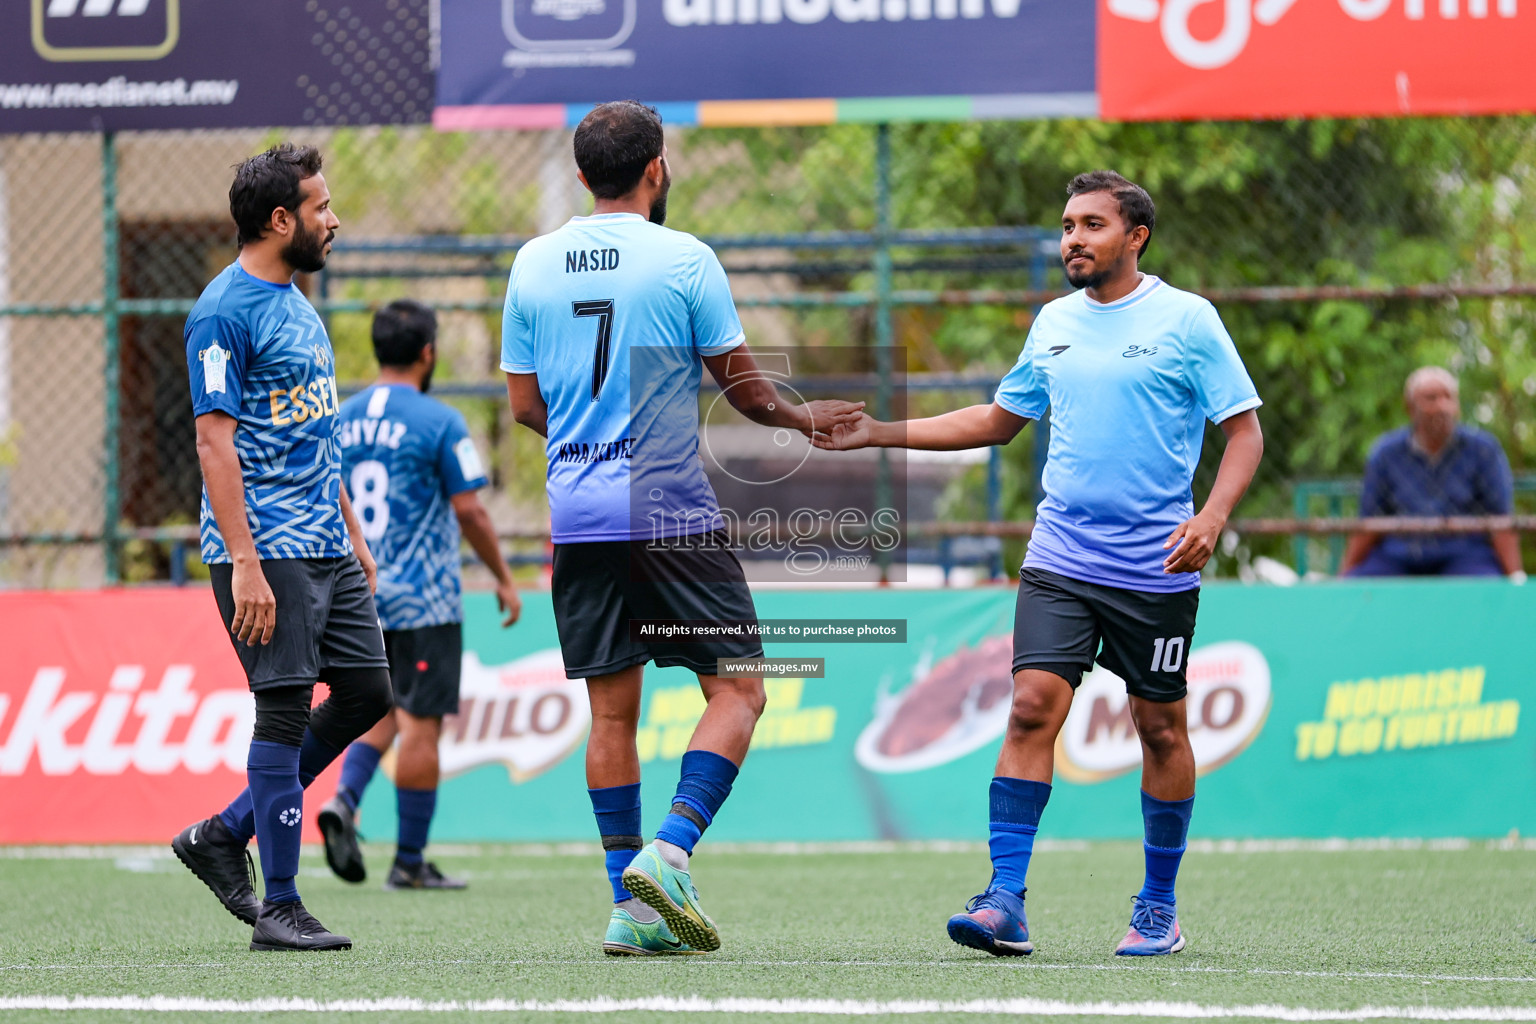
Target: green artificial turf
1302 929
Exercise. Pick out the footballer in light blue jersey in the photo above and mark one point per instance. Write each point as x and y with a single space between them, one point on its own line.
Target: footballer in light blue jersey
1129 385
257 352
404 456
413 471
1130 370
613 313
609 323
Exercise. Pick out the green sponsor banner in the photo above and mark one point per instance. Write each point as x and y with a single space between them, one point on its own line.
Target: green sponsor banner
1348 709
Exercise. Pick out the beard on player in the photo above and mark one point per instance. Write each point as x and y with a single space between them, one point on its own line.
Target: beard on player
306 251
1091 268
659 204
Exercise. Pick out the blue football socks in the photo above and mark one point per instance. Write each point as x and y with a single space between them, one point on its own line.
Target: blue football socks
617 809
1167 831
315 756
415 807
357 771
1016 805
277 800
704 785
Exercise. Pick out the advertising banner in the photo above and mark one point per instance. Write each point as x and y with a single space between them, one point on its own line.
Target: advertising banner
1345 710
125 716
102 65
1215 59
543 63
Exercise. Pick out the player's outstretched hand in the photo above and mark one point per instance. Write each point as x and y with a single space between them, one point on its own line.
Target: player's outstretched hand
845 436
255 605
826 413
509 602
1193 544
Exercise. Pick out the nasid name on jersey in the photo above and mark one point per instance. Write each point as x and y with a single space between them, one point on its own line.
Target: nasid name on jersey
591 259
387 433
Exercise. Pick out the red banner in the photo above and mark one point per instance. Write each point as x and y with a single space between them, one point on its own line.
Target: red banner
1215 59
124 716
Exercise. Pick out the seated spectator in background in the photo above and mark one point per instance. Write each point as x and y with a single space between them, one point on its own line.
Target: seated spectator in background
1435 467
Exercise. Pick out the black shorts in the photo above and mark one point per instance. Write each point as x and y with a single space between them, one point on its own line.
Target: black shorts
325 619
424 666
600 586
1060 624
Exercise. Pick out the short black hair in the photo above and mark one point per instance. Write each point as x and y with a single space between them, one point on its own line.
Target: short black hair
614 144
401 330
267 181
1136 207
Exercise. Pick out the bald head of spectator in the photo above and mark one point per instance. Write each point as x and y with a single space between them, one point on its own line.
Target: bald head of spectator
1434 406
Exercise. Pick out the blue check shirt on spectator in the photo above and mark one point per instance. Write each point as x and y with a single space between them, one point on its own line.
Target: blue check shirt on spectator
1470 477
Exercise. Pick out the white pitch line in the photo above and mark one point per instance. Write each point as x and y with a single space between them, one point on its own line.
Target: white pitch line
815 1007
697 963
872 846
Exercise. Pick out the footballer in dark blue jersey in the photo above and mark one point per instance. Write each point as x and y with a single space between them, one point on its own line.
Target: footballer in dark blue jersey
292 574
413 474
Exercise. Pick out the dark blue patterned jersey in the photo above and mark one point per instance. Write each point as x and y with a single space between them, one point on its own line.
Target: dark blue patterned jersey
404 456
257 352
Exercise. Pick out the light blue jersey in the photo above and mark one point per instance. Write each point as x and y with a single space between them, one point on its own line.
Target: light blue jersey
258 352
612 313
1129 385
404 456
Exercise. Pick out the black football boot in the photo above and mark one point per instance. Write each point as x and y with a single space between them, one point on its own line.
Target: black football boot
288 926
223 864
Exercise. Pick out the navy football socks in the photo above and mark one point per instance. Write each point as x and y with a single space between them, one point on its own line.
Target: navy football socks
357 771
314 757
415 807
277 800
1016 806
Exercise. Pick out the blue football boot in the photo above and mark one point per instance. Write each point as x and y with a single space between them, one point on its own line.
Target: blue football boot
993 922
1154 930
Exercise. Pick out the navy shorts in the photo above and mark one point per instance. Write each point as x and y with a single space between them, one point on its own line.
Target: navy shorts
600 586
424 666
1062 625
325 619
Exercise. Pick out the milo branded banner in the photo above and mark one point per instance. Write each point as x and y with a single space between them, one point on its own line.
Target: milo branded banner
1350 710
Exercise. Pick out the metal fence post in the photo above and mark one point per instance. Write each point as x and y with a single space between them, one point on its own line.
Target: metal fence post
110 322
884 329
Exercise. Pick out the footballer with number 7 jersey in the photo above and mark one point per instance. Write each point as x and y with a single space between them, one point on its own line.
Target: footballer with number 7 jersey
609 323
1130 369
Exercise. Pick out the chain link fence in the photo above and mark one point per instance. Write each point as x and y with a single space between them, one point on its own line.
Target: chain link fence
1342 254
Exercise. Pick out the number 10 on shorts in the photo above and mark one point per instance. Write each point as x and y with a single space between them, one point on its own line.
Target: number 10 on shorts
1168 654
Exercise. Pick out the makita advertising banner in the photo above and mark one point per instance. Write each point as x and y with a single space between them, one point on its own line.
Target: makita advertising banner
1214 59
1344 710
101 65
516 63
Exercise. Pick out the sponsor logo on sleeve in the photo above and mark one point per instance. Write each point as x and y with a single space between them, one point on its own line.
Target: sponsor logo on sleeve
215 362
470 466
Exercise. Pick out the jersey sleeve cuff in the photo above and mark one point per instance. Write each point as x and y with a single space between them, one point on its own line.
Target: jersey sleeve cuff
1243 406
1016 409
724 346
518 368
